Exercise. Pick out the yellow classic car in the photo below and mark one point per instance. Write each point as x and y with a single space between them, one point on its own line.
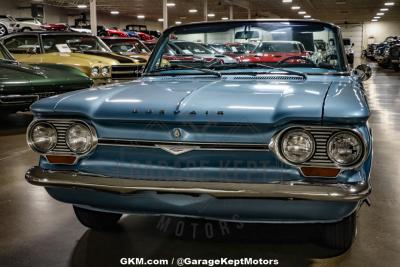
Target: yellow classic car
83 51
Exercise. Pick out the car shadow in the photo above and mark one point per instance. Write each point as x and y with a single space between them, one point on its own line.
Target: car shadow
15 123
150 238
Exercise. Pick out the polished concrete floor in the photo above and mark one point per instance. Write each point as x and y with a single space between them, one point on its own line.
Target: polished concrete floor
35 230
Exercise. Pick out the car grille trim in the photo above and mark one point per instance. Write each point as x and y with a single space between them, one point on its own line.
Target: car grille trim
194 145
126 71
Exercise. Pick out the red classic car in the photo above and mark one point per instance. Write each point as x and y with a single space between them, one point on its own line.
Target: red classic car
55 27
274 51
102 31
145 37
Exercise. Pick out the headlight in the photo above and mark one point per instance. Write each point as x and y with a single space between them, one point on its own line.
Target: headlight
95 72
105 71
345 148
297 146
79 138
42 137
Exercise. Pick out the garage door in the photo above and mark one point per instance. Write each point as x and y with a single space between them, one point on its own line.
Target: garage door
355 33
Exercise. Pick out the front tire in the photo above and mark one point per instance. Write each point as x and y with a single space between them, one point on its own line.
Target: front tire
340 235
97 220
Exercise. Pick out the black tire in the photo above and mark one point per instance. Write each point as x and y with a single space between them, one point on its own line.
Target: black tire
97 220
396 67
340 235
26 29
3 30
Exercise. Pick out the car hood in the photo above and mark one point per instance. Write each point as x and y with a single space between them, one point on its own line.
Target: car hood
16 78
232 100
113 56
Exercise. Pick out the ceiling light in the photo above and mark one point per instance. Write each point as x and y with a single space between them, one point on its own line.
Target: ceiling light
81 6
287 1
307 17
295 7
160 19
384 9
374 20
380 14
170 4
140 16
389 4
211 15
376 17
192 10
178 22
224 18
302 12
114 12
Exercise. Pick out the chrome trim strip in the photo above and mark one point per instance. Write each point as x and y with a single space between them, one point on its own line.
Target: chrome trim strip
290 190
195 145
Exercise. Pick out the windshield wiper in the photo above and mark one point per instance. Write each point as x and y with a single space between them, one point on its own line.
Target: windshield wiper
282 69
231 66
179 67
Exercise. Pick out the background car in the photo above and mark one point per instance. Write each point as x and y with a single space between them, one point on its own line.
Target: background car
394 54
29 24
83 51
23 84
199 51
132 47
55 27
348 47
7 25
274 52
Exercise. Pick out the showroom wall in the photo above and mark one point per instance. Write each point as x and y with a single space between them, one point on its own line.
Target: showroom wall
377 31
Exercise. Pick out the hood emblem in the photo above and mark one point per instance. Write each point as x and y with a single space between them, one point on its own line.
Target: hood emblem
176 133
177 149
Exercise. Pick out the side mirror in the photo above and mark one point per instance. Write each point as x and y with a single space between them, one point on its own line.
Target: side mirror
363 72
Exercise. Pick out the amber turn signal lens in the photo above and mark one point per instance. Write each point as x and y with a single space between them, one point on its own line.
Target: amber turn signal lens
61 159
320 172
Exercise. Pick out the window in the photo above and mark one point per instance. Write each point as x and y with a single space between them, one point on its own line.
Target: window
23 44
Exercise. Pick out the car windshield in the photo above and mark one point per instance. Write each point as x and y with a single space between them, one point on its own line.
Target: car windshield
250 46
126 46
278 47
76 43
189 48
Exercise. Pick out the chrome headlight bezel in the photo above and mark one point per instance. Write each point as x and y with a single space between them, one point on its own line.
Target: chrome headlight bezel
275 144
105 71
300 132
91 144
31 142
361 144
95 72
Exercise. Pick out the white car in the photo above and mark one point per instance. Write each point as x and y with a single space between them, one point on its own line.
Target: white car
80 29
7 25
28 24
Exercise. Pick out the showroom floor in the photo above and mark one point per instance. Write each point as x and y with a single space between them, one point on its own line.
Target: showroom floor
35 230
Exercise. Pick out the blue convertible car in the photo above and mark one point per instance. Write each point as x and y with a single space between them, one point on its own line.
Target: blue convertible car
254 139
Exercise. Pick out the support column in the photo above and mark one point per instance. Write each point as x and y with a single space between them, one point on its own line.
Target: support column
205 13
165 14
249 13
231 12
93 17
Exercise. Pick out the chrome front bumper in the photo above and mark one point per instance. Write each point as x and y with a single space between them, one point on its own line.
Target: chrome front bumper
288 190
